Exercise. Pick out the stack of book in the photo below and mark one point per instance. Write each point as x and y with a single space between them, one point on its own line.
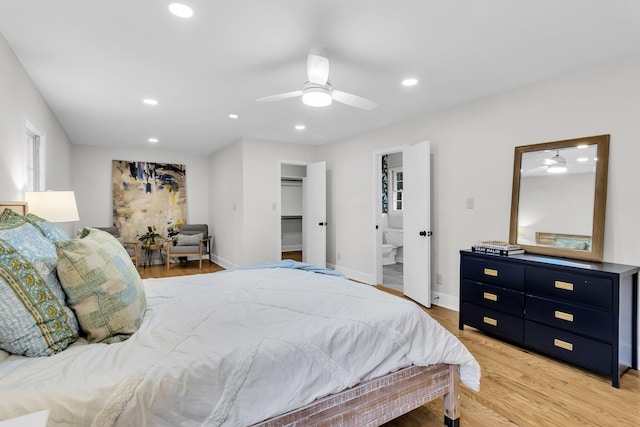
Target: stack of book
497 247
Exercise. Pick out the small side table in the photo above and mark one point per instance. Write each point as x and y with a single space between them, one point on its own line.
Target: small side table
148 253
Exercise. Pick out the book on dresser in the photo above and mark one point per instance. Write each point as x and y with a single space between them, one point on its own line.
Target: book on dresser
496 251
497 247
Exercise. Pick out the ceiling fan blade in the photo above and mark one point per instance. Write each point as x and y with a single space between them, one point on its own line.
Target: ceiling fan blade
353 100
280 96
317 69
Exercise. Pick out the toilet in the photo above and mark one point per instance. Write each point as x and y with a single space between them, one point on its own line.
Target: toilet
392 241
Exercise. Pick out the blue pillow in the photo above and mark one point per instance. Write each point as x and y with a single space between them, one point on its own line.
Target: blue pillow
48 229
34 319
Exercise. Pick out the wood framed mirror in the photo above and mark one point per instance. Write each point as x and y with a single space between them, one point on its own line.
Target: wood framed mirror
559 197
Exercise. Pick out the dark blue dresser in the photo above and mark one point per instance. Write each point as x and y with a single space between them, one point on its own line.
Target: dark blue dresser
582 312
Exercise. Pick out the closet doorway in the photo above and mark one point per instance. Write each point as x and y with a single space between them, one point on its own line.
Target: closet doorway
291 211
303 212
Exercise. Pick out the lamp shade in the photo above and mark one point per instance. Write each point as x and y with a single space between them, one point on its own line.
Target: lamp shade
54 206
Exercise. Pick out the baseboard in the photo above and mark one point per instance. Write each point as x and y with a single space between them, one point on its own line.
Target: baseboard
445 300
356 275
223 262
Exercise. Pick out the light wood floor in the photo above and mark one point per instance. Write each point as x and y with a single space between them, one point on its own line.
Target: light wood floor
522 388
518 388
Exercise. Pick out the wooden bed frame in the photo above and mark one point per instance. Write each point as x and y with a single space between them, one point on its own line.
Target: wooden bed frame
372 402
382 399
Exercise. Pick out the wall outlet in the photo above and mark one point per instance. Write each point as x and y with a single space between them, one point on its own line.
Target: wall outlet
438 279
469 202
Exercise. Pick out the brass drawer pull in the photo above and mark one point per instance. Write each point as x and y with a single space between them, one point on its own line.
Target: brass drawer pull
490 321
491 272
564 285
563 344
490 296
563 316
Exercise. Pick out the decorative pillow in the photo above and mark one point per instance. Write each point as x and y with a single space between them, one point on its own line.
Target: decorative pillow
189 239
48 229
103 286
34 319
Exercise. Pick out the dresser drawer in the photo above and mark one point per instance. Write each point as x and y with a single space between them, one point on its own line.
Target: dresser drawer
494 297
590 354
579 320
570 287
493 322
493 272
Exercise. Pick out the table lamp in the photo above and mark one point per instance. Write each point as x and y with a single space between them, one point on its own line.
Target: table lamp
54 206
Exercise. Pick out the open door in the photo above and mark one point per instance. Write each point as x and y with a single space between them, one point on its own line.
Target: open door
314 214
417 223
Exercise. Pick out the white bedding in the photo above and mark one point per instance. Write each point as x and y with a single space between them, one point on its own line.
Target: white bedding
232 348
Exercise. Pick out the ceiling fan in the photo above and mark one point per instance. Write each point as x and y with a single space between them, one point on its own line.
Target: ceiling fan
317 91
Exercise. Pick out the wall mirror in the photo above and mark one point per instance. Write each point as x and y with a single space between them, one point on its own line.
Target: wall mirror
559 197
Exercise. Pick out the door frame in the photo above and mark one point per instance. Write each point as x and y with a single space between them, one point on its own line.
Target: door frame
377 206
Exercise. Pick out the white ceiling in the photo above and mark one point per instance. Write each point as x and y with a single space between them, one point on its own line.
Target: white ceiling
94 61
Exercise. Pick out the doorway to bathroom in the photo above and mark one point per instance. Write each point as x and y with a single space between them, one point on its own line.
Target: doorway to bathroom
390 219
402 185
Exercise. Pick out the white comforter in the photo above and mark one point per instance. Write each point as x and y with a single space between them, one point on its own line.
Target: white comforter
231 349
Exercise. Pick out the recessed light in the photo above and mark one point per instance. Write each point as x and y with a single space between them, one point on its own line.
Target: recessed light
181 10
153 140
582 159
150 101
233 116
300 127
582 146
409 82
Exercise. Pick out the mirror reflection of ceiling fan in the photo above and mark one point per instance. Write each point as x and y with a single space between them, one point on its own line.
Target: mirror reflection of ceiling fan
554 164
317 91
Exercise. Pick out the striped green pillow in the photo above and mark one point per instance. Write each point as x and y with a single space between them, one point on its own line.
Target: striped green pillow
102 285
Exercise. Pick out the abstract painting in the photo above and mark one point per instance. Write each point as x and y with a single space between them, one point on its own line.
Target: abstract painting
147 194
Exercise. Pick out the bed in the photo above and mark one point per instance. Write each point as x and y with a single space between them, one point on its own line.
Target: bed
269 345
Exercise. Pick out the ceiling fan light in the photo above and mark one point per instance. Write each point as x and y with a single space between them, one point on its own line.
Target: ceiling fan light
558 165
181 10
316 97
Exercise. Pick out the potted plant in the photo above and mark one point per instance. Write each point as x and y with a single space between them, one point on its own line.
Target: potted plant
149 238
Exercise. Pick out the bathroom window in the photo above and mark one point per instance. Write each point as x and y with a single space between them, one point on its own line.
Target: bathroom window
396 188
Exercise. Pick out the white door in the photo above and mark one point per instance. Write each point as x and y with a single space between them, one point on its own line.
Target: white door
416 211
314 215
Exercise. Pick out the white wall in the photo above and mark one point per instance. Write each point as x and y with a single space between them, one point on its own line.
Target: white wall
472 149
226 204
92 181
252 232
21 100
262 172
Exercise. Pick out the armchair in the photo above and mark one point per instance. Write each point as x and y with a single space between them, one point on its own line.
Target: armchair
192 240
131 247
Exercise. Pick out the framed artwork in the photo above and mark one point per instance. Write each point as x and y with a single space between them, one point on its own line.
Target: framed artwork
148 194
